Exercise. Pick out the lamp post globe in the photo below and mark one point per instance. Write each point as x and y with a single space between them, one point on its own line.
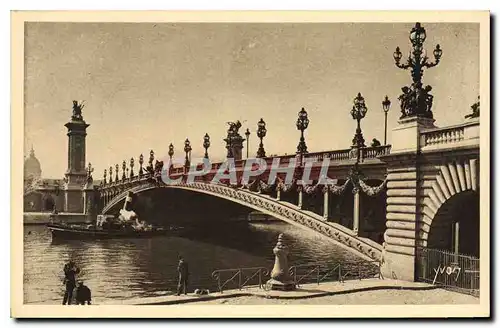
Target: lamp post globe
417 34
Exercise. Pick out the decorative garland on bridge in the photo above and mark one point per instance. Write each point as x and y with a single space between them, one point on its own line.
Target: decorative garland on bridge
338 190
372 191
262 186
311 189
285 187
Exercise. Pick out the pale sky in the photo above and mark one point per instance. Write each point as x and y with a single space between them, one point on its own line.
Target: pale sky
146 85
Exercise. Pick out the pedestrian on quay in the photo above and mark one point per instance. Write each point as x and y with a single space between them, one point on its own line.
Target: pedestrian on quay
183 270
70 272
83 294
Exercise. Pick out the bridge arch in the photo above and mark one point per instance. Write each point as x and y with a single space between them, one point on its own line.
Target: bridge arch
455 226
292 214
453 195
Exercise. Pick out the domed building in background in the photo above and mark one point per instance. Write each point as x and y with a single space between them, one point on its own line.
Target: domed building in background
40 195
32 168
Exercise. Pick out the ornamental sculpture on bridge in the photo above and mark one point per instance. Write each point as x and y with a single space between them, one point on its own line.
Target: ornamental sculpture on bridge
416 100
475 110
234 127
234 141
77 111
90 170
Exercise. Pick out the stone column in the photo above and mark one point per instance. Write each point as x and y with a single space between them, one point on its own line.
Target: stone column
278 194
456 245
325 202
300 196
355 213
280 277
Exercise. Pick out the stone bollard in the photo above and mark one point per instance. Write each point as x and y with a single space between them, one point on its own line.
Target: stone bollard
280 278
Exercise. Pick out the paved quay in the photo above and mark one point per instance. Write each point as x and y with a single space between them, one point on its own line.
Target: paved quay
396 292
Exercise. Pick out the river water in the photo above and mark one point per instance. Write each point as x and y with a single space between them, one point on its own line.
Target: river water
132 268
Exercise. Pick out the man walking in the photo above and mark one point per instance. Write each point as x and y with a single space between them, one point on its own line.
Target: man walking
182 268
70 272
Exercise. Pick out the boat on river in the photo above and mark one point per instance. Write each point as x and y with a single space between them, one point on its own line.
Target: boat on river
91 231
124 225
109 227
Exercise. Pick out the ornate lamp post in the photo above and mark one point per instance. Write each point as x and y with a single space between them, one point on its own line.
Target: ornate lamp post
151 159
110 174
187 150
170 152
141 161
416 100
131 167
116 172
206 144
247 134
302 124
358 112
124 167
386 105
104 180
261 133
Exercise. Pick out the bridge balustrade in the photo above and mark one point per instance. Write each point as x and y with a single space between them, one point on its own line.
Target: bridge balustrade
333 156
443 136
451 136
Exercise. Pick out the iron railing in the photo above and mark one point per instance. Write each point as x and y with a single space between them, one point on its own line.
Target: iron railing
239 278
450 270
300 274
318 272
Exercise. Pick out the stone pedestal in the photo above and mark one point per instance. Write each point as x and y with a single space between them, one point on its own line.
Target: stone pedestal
280 277
405 137
73 199
236 146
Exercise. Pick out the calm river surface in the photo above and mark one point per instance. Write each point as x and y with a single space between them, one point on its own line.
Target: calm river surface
131 268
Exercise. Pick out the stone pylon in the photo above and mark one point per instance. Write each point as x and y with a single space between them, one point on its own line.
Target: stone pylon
280 277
